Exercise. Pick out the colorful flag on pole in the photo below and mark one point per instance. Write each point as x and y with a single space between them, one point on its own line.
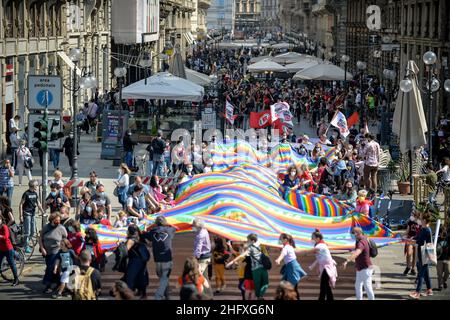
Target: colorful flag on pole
229 110
278 109
353 119
259 120
339 121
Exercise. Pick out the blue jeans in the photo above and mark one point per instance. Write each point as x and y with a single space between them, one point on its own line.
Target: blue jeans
129 158
163 270
55 158
150 168
122 195
424 274
8 191
10 258
29 225
158 168
167 162
49 277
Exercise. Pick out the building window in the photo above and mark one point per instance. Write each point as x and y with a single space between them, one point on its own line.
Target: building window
9 18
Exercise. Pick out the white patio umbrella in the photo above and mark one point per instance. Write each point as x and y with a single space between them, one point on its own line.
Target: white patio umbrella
177 65
164 86
409 121
282 45
301 65
198 78
259 58
266 65
323 71
291 57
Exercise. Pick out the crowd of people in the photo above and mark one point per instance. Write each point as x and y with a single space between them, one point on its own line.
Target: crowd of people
75 262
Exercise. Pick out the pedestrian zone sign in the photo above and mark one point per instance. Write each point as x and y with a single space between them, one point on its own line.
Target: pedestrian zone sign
44 91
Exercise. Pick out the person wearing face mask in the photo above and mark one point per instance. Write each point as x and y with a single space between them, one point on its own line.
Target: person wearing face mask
49 245
122 184
363 265
27 211
101 200
424 237
85 209
7 250
412 230
348 194
291 270
93 182
326 266
7 180
134 205
56 199
291 181
75 237
22 154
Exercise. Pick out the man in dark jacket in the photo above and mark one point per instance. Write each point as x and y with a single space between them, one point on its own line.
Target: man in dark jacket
68 148
158 146
128 146
161 237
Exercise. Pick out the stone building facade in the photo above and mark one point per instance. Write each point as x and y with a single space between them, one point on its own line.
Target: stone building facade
248 15
35 38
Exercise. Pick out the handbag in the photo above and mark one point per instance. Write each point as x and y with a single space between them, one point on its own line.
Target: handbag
428 252
28 163
116 191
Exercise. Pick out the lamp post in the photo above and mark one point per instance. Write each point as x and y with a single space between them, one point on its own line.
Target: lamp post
146 63
390 75
345 58
361 67
429 58
120 73
87 81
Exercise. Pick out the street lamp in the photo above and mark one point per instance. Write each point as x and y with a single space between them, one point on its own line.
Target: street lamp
120 73
361 67
447 85
429 58
345 58
390 75
146 63
87 81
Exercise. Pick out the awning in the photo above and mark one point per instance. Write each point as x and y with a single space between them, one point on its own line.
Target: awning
189 38
69 62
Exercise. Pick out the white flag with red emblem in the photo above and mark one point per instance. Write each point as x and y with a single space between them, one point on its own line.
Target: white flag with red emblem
340 122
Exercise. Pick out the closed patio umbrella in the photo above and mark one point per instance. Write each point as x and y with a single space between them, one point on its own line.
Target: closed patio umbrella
177 66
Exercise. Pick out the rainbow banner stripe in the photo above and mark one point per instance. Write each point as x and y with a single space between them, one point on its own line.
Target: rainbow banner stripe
317 204
244 199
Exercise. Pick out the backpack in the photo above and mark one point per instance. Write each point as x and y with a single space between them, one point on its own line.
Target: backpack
373 250
121 256
187 290
264 260
83 288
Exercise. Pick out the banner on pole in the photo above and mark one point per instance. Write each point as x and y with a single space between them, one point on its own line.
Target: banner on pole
229 110
339 121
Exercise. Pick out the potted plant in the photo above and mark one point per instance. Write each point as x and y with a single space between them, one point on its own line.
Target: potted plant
392 168
403 172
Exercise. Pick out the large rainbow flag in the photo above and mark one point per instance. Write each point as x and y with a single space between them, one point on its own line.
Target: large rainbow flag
245 198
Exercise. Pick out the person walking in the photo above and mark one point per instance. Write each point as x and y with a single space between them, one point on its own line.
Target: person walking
54 155
87 284
220 256
443 260
202 248
93 182
27 210
49 245
122 184
259 274
158 146
14 140
7 250
371 154
363 265
161 236
291 270
326 266
23 154
7 180
424 237
136 274
68 148
128 147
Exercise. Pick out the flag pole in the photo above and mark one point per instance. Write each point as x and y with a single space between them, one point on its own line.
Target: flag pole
328 128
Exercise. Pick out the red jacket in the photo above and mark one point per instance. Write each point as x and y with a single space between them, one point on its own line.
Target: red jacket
77 242
5 241
98 252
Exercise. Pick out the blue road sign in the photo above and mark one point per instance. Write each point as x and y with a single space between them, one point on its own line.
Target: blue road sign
42 97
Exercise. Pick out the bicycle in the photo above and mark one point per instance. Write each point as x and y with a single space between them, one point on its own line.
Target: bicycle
32 241
19 259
